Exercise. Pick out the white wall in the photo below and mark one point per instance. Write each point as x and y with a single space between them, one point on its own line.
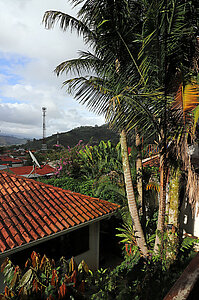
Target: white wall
15 165
196 221
91 257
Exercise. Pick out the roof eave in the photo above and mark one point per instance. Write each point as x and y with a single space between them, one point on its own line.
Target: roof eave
54 235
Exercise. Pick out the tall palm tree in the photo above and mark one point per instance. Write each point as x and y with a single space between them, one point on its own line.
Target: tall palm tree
110 28
169 45
135 89
167 61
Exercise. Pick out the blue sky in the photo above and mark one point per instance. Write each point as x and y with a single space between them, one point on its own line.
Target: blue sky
28 55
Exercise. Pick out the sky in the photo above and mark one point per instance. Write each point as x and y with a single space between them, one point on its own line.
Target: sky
28 55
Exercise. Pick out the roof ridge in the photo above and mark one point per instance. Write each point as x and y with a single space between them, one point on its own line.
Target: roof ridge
55 187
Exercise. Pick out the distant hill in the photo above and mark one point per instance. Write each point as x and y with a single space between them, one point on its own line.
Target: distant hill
6 140
90 134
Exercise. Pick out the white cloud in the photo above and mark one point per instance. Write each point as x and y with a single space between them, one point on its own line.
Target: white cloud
28 55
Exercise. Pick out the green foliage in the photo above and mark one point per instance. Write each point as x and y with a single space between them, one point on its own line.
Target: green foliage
137 278
77 185
188 243
90 162
91 170
127 237
134 278
43 279
100 159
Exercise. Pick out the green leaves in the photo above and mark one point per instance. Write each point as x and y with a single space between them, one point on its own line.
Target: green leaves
27 278
44 280
188 243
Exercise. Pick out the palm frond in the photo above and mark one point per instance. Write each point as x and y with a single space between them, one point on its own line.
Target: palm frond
78 66
66 21
196 118
153 186
190 97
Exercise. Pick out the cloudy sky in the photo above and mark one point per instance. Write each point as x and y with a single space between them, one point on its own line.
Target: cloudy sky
28 55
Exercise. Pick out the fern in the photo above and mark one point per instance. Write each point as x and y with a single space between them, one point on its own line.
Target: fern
188 243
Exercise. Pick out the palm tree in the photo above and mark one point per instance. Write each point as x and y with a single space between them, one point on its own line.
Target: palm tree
100 23
169 45
167 61
135 89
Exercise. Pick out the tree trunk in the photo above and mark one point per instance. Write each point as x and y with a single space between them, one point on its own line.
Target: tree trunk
131 195
173 212
162 205
139 177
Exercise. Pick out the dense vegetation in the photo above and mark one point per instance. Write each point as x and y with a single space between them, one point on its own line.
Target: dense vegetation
91 134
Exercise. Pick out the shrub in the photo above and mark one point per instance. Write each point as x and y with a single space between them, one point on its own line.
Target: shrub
43 279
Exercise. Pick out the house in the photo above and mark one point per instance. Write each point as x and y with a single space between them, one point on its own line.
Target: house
10 161
38 216
33 172
152 161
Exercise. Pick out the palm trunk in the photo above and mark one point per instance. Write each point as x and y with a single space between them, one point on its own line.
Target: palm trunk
131 196
162 205
139 176
174 198
173 212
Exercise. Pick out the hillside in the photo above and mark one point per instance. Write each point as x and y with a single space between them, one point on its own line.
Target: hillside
6 140
90 134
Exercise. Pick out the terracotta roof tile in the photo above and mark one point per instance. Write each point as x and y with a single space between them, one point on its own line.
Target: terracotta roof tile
2 246
10 159
31 210
153 161
26 170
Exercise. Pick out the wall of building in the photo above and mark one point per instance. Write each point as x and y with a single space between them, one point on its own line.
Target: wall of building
186 218
91 257
196 221
14 165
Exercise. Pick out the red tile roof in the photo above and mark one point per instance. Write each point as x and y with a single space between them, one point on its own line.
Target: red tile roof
7 159
153 161
44 170
31 210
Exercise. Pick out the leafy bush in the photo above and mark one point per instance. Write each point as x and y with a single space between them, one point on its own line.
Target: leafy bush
43 279
137 277
84 187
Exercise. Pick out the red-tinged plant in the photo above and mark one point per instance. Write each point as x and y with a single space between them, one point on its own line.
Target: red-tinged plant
62 291
50 298
54 279
43 279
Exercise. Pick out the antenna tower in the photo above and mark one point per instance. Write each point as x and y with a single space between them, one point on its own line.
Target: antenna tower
44 146
57 138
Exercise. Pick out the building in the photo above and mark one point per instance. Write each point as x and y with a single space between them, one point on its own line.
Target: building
10 161
33 172
34 215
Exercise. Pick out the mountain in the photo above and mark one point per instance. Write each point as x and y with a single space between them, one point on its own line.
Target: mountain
90 134
6 140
